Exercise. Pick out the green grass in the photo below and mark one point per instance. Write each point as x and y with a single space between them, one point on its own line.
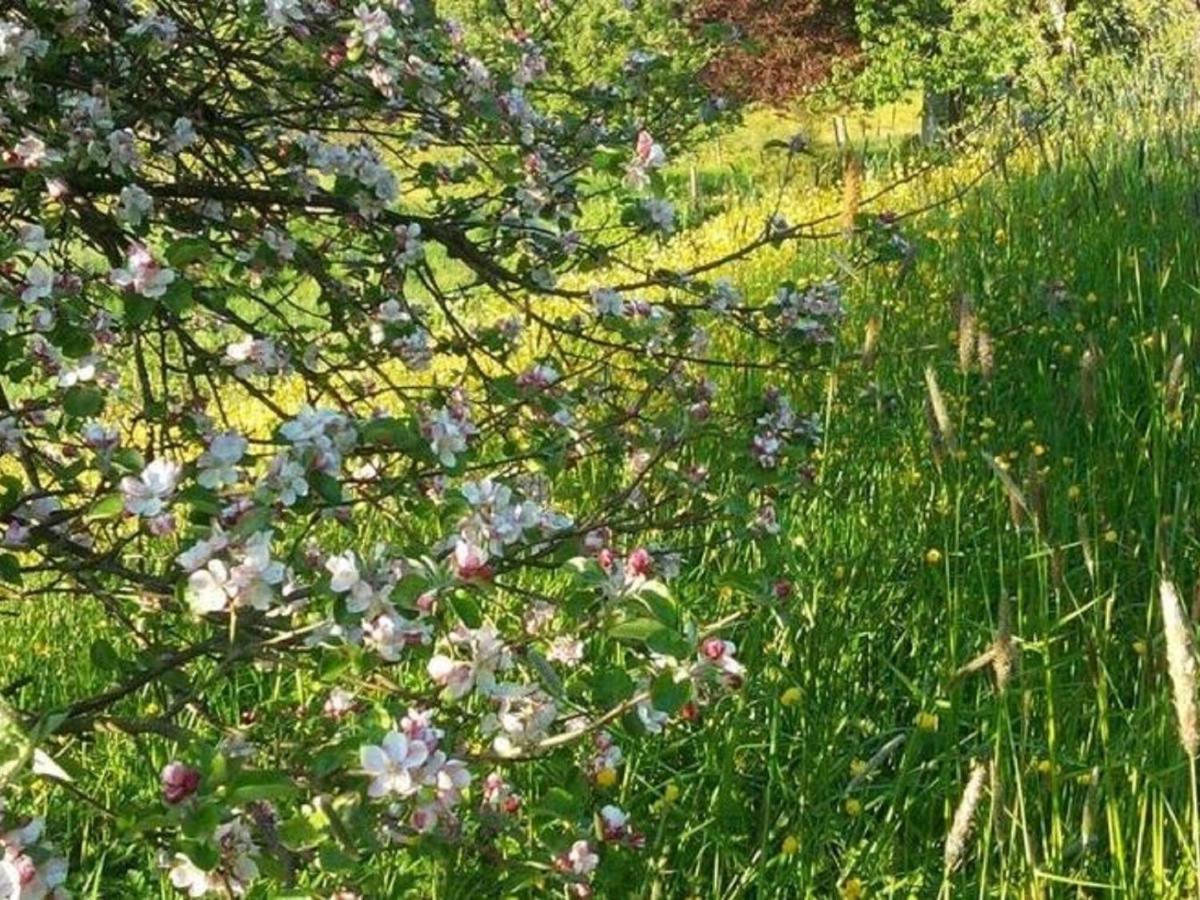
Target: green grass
900 564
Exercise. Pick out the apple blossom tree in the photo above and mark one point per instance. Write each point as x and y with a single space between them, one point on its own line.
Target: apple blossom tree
331 356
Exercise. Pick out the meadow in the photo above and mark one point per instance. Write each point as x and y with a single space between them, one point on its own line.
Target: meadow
963 593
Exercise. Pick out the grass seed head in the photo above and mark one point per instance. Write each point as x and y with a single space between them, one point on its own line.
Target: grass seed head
1181 665
1173 394
959 836
938 416
967 334
1003 656
1089 363
985 350
870 349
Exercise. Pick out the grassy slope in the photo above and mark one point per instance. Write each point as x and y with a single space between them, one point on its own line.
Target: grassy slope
879 623
901 563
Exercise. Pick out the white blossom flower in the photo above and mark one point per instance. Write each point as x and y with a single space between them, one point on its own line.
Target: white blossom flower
256 356
254 579
284 13
101 437
122 152
581 858
390 633
489 655
607 302
183 135
208 588
18 45
11 434
147 494
136 205
287 480
142 274
392 766
345 578
203 550
39 282
186 876
33 238
81 372
31 152
448 434
372 25
218 464
661 214
409 248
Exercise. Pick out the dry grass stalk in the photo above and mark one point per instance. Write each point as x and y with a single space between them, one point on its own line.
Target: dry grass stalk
978 664
1018 505
1174 391
877 760
1035 493
1085 544
986 353
1088 838
959 836
996 789
1058 567
937 411
870 350
937 446
1181 665
1003 655
1088 365
1000 654
967 334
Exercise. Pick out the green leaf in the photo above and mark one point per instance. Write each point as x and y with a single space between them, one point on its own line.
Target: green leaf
328 487
138 309
390 431
10 569
202 499
637 629
104 656
299 832
261 784
202 853
669 695
465 605
546 673
107 507
128 460
560 803
202 821
669 643
611 686
83 402
188 250
178 296
335 860
74 342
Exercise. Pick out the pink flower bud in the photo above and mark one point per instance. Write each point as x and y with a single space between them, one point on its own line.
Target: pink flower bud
639 563
179 782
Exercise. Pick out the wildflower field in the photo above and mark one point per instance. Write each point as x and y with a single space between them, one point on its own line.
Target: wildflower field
639 603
